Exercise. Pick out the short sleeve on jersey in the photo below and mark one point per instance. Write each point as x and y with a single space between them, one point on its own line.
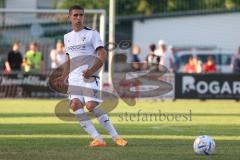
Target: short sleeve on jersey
96 40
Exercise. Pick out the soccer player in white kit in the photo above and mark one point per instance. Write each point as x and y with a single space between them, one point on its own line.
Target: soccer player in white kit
83 41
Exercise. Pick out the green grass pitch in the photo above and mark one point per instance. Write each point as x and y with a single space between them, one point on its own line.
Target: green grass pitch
30 130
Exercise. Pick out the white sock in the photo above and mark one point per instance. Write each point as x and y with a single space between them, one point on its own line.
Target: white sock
105 122
87 124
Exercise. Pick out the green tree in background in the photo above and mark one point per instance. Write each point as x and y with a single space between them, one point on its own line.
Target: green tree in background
149 7
88 4
2 2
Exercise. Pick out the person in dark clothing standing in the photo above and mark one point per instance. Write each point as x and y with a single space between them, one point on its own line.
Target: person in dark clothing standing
14 59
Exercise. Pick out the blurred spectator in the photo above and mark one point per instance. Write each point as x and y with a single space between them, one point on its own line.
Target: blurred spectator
209 66
135 59
57 55
190 67
33 61
198 64
236 62
166 59
151 58
14 59
176 60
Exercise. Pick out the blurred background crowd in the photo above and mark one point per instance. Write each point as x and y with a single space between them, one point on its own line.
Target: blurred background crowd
33 60
177 60
187 60
197 36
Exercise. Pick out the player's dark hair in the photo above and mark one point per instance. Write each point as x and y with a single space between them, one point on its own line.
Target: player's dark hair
75 7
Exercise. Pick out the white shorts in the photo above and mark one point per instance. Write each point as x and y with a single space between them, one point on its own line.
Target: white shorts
85 91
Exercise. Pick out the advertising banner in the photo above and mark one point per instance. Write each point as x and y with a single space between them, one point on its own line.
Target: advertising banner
207 86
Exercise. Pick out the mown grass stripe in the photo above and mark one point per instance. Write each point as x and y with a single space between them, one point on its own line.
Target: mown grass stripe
126 136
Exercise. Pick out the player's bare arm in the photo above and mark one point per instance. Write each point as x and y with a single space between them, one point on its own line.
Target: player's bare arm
102 56
66 68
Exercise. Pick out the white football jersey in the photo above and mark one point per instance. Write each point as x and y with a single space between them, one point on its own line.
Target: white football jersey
81 47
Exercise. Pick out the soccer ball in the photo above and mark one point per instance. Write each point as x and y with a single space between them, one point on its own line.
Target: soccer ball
204 145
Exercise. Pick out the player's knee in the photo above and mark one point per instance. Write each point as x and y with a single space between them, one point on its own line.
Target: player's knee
75 104
91 105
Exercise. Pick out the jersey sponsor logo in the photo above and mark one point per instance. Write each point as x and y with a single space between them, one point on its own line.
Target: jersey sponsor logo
77 47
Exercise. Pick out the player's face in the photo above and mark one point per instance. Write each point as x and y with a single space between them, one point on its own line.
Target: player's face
77 18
